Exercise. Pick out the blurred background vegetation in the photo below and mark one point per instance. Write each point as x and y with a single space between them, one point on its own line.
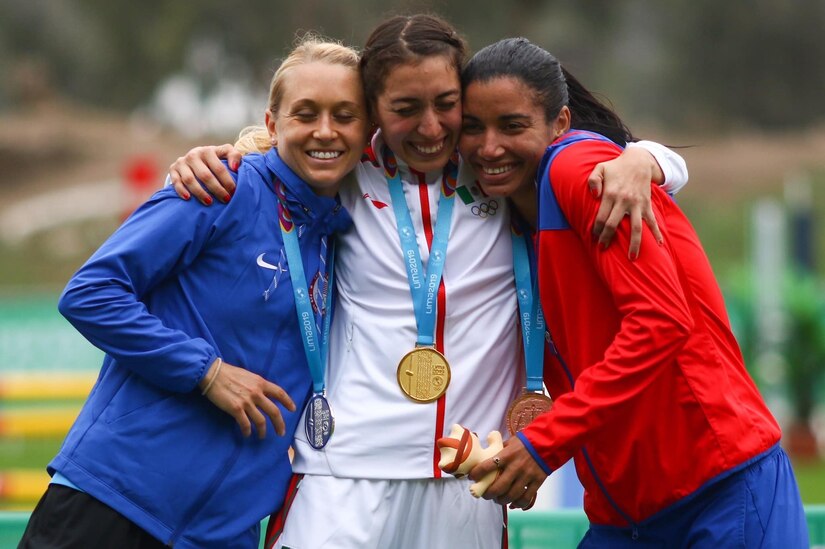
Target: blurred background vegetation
99 96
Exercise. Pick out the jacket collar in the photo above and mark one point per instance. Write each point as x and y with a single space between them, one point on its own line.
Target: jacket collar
304 205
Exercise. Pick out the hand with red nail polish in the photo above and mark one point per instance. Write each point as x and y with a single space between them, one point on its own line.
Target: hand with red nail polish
202 173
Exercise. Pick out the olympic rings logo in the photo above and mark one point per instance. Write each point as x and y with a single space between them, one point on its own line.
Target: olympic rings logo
485 209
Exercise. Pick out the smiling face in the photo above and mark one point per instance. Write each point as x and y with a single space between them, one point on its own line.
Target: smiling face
321 123
419 112
505 133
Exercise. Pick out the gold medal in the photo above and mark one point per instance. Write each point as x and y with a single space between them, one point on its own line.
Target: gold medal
423 374
527 407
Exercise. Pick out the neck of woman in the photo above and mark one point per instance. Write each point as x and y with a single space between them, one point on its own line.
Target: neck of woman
526 203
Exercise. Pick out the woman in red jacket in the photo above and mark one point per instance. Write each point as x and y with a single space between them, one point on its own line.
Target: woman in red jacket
671 438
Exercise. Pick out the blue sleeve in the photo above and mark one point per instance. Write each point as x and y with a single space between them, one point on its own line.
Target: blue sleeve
103 299
530 448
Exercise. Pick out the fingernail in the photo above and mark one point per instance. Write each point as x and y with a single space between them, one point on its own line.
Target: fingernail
208 200
186 196
234 166
594 192
633 256
226 198
660 242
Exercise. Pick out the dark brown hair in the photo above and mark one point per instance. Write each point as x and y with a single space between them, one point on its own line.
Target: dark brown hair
404 39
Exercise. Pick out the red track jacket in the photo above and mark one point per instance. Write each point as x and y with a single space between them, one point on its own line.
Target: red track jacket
651 394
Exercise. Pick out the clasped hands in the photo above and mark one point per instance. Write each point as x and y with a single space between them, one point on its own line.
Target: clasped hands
519 476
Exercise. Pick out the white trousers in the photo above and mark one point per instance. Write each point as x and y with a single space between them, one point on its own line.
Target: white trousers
340 513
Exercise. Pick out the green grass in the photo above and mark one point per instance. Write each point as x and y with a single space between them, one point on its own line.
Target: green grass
810 475
19 453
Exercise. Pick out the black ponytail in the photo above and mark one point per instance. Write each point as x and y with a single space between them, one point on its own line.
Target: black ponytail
588 113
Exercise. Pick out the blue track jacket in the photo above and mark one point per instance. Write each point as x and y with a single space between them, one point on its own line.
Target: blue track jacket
172 289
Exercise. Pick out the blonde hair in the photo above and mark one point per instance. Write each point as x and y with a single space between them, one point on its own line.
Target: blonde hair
310 48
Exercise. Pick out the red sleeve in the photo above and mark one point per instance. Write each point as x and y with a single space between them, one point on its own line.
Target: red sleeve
655 319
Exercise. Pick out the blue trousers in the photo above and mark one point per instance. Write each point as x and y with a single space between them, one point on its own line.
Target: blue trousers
756 507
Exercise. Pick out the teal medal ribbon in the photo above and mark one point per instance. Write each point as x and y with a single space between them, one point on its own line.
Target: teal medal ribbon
424 289
531 316
532 402
423 373
319 422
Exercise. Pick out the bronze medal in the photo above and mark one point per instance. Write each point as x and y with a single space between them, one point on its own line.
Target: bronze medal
525 409
423 374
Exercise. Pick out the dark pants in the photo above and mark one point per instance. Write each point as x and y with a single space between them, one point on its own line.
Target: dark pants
67 519
757 507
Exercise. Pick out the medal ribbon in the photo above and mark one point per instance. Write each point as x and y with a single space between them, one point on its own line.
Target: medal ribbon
315 350
322 280
423 290
530 313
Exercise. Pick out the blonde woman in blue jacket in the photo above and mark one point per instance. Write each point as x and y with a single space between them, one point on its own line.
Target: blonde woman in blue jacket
210 331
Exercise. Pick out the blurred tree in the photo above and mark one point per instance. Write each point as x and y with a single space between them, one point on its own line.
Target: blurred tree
698 64
806 346
49 42
802 353
760 65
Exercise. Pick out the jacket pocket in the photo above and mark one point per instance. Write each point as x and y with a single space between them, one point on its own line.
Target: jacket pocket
134 395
